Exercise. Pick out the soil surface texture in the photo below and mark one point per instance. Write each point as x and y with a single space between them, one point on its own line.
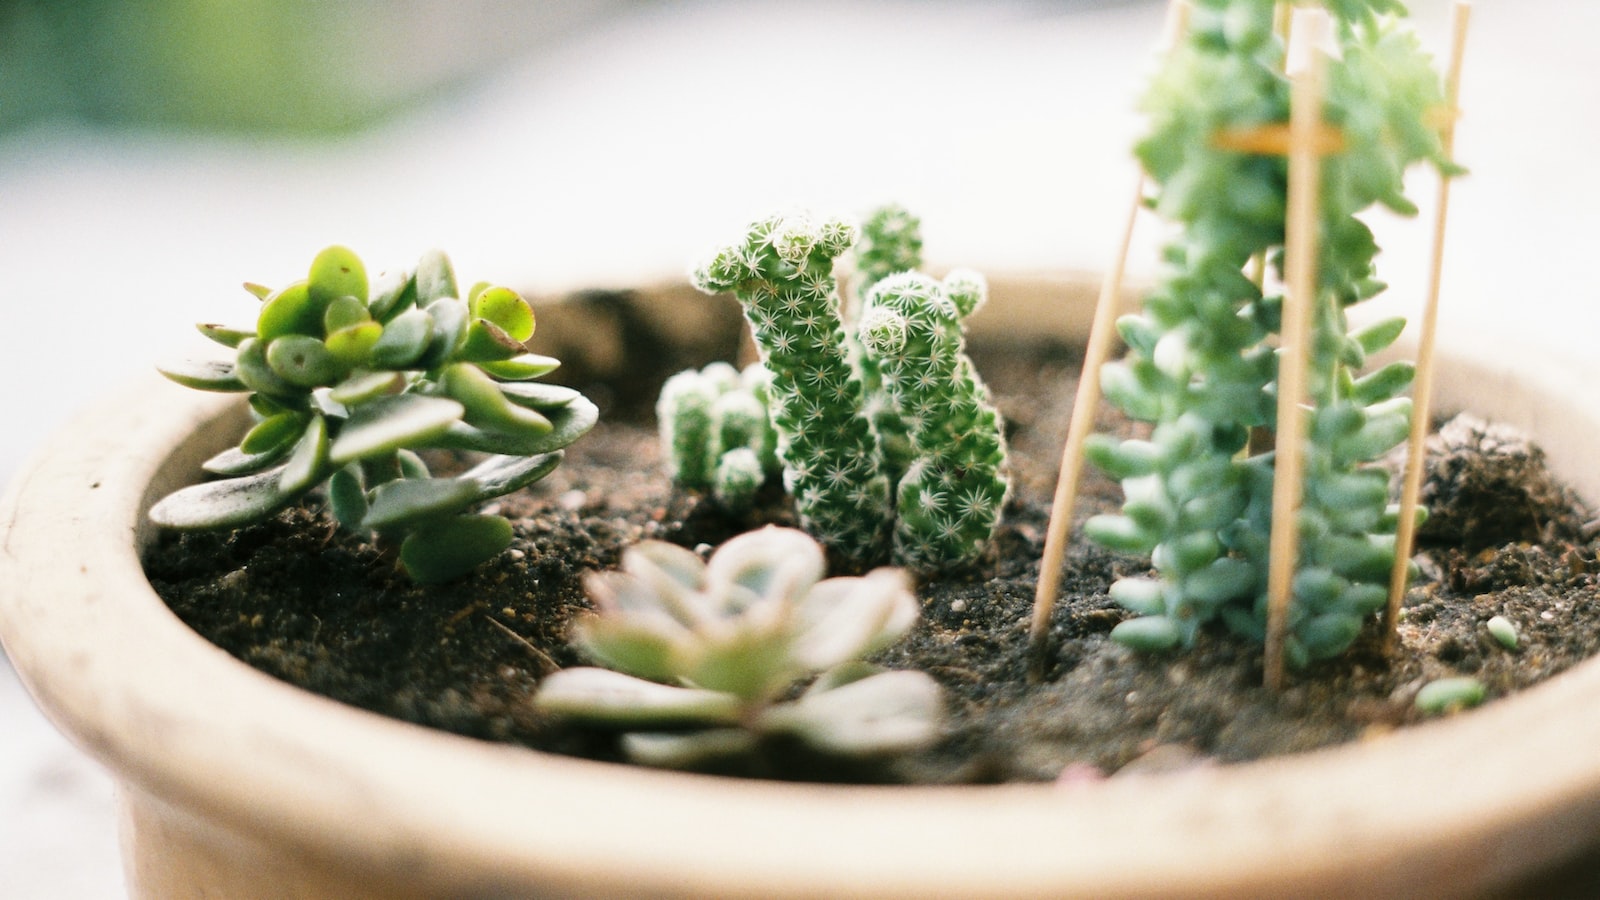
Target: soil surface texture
326 610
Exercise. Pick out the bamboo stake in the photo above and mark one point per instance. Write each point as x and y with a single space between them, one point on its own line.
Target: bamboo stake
1305 178
1086 404
1422 390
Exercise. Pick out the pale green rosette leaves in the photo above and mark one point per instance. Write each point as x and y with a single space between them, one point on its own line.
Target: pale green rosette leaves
349 377
701 655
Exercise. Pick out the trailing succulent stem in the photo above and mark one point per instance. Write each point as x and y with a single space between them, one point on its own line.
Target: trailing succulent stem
879 420
348 380
702 657
1201 365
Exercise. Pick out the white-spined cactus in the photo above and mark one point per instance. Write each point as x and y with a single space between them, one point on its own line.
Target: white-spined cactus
715 433
703 657
348 380
948 503
782 273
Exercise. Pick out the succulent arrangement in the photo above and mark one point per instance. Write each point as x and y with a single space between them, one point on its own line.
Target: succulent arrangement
707 658
1203 360
886 434
348 380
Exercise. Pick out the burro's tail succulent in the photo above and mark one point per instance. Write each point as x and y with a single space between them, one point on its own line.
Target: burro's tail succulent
704 657
948 502
348 380
782 273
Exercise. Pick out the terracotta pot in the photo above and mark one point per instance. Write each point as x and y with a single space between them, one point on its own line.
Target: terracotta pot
236 785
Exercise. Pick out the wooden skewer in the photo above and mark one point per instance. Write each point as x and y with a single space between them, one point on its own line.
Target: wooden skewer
1305 179
1422 390
1085 406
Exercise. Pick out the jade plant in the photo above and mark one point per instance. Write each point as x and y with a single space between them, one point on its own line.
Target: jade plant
348 380
707 659
886 435
715 432
1202 364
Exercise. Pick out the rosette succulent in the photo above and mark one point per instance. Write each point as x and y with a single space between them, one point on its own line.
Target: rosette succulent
348 380
705 659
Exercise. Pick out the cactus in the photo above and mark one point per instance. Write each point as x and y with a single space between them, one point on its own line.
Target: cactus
948 503
1200 364
891 243
782 273
703 656
348 380
715 431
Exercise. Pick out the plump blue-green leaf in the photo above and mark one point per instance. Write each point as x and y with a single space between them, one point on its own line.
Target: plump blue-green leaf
390 423
228 503
435 278
521 368
337 272
290 311
1379 334
1226 578
347 495
411 500
506 309
273 433
304 361
1122 459
364 387
538 395
1384 383
1326 636
404 340
309 464
1448 695
1119 533
447 549
1145 596
411 465
204 375
223 334
1148 634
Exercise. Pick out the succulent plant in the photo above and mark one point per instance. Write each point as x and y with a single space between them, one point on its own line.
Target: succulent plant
704 658
859 452
348 380
948 503
782 273
1202 366
715 431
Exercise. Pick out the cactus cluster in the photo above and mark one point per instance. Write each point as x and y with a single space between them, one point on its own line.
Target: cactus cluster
348 380
1202 366
704 657
886 435
715 433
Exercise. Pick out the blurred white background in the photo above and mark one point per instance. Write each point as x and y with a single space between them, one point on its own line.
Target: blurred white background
553 146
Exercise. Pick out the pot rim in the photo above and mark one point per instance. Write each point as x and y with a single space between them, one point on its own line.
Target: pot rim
1462 804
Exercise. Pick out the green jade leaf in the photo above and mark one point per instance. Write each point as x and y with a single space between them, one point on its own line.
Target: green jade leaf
233 462
521 368
535 395
450 321
252 369
391 423
435 278
392 293
364 387
403 341
223 334
568 424
486 407
352 345
205 375
450 548
500 475
337 272
290 311
409 500
309 464
487 342
273 432
506 309
304 361
222 504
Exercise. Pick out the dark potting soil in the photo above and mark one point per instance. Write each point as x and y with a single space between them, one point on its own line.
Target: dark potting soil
327 611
